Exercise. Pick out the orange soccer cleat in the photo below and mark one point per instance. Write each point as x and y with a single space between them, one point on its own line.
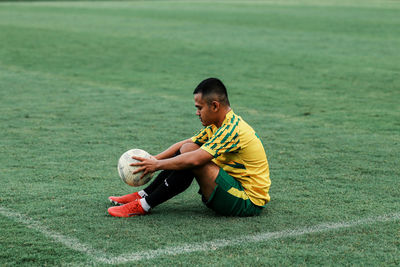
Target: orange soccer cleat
124 199
133 208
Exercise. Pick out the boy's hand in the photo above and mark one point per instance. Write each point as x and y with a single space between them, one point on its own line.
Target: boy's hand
146 165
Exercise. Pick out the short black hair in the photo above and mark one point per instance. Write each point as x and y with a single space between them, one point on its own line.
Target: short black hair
212 89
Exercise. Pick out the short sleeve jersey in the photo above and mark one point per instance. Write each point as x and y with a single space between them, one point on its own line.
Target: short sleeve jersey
238 150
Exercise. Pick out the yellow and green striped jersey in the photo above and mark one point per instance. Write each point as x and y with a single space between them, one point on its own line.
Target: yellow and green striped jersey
238 150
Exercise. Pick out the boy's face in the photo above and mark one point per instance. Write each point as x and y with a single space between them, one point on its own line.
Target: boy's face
204 111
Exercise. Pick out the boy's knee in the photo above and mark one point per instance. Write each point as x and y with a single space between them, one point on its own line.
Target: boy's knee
188 147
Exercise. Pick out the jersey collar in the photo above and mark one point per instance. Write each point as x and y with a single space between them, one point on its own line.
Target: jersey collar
228 116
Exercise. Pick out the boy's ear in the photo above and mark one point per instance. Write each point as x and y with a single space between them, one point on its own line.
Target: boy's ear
215 105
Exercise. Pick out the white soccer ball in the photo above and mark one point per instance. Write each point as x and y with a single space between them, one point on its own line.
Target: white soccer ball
125 170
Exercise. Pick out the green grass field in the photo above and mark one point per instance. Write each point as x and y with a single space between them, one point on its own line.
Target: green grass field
82 82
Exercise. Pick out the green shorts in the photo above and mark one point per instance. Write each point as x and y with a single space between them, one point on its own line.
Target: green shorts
230 199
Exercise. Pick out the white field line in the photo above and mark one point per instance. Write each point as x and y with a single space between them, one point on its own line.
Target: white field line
102 257
261 237
69 242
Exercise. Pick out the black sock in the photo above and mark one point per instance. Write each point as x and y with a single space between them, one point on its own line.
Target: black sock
159 180
174 184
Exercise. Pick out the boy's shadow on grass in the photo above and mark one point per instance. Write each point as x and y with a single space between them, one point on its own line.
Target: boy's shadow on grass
188 209
195 209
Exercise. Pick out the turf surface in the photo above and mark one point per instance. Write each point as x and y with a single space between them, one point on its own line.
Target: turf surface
82 82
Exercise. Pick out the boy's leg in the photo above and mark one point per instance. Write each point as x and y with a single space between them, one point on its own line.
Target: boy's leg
225 195
138 195
119 200
162 190
157 181
174 184
205 177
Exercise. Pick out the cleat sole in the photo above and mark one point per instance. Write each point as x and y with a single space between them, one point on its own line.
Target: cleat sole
115 203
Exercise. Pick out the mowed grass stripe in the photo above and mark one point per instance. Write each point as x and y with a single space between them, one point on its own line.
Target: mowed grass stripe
349 38
102 257
294 3
187 23
90 85
144 48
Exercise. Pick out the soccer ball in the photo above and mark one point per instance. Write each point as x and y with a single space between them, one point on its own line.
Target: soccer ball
125 170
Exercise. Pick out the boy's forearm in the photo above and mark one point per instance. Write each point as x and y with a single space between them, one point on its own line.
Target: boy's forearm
172 150
185 161
175 163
